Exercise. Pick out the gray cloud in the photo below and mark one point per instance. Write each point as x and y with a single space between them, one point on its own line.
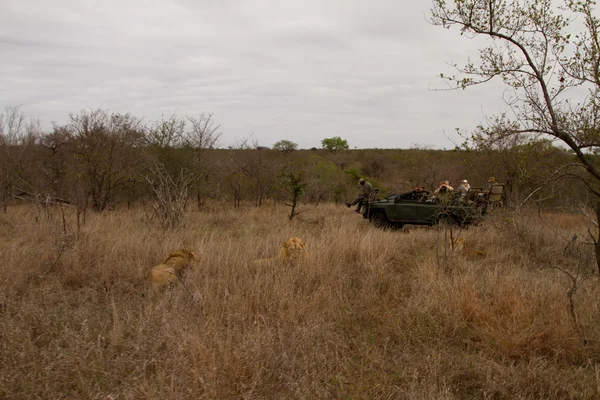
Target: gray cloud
278 70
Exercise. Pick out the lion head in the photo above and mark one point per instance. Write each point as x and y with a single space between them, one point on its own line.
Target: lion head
180 260
169 272
293 249
457 244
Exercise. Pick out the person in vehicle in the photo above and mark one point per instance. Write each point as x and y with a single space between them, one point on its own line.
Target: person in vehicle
416 194
484 195
464 189
363 197
444 187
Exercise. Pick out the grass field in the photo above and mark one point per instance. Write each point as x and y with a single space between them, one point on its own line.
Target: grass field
369 314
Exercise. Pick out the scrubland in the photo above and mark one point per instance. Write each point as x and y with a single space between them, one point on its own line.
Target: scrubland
368 314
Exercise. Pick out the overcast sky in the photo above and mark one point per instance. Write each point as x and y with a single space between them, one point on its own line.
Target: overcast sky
295 70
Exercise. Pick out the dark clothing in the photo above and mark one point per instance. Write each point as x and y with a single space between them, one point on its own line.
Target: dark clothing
359 199
367 188
413 195
363 197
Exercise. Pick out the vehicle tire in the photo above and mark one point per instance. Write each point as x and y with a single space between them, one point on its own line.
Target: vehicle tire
379 220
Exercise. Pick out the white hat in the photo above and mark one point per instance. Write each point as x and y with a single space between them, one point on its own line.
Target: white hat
465 181
361 180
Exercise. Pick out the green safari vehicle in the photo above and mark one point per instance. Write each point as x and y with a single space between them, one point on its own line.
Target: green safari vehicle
397 210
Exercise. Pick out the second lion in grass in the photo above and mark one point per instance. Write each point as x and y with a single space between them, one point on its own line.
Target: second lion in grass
294 249
459 245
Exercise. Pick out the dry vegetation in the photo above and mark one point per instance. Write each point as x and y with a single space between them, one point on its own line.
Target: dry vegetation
369 313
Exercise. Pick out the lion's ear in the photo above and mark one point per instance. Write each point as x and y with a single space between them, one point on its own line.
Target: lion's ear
285 244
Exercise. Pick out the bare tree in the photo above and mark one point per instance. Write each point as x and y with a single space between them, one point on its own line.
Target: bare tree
235 181
537 52
54 160
259 169
203 132
201 135
17 139
422 167
167 132
170 194
101 143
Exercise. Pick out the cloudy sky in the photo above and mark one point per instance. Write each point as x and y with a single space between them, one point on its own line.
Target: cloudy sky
296 70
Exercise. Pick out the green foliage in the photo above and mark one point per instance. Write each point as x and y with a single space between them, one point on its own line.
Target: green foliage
167 131
293 185
293 182
326 169
541 55
355 175
285 146
334 144
326 181
103 158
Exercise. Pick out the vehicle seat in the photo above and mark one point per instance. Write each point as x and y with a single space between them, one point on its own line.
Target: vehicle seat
373 194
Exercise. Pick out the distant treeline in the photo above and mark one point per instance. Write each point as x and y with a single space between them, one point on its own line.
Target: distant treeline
100 160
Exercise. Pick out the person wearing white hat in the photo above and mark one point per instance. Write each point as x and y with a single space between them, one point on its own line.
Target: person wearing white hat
464 188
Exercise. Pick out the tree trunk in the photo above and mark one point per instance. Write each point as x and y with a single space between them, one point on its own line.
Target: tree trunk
597 242
5 196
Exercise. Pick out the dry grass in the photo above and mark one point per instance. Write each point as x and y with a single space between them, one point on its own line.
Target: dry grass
369 314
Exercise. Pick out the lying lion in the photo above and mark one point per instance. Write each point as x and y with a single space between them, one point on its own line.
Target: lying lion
459 245
172 269
292 250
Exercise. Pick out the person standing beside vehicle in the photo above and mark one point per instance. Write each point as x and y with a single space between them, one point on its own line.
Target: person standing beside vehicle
363 196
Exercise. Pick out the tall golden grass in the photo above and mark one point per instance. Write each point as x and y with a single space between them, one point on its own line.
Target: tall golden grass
369 314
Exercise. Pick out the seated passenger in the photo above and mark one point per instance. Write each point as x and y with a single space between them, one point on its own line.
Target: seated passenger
484 195
444 187
416 194
464 188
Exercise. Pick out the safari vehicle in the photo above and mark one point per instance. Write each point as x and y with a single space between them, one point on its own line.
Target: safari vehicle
397 211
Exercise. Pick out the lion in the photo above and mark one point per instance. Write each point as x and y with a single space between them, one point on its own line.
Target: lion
172 270
460 245
291 251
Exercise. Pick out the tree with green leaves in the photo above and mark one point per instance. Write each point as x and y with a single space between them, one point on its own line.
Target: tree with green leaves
285 146
544 59
334 144
294 186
